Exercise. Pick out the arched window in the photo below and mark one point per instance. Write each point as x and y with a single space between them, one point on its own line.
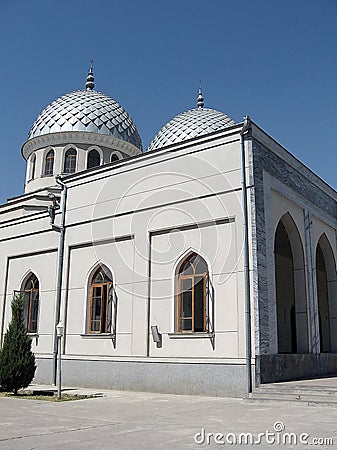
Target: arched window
100 301
192 287
114 157
32 167
31 292
94 159
49 163
70 161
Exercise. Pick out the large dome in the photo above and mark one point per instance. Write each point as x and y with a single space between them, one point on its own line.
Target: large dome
189 124
86 110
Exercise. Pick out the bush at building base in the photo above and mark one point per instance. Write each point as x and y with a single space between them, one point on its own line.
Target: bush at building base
17 362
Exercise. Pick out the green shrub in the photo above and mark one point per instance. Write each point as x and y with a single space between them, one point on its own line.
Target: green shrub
17 362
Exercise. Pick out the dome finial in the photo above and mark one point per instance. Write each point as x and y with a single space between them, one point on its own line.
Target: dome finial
200 97
89 85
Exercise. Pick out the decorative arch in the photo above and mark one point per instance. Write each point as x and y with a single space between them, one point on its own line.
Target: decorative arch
30 288
326 282
192 294
49 163
290 288
100 301
187 253
94 157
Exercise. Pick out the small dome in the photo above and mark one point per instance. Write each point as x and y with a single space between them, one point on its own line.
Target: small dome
86 110
189 124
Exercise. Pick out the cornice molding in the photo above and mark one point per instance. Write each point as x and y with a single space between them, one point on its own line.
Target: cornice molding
77 137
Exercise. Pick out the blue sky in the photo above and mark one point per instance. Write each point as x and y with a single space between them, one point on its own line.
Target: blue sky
275 61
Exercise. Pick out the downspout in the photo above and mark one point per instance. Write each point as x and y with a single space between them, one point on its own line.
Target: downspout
61 230
245 128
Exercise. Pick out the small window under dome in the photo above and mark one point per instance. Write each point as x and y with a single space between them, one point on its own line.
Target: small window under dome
70 161
49 163
94 159
33 167
114 157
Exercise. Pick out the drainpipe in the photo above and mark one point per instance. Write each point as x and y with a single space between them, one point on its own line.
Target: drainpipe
61 230
245 128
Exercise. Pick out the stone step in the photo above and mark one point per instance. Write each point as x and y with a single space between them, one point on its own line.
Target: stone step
309 392
294 396
299 385
328 391
313 401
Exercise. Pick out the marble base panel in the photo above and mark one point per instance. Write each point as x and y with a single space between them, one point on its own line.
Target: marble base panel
220 380
289 367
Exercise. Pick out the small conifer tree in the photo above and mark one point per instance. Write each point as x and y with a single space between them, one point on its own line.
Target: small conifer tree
17 362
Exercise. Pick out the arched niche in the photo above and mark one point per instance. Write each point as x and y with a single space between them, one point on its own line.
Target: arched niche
290 288
326 280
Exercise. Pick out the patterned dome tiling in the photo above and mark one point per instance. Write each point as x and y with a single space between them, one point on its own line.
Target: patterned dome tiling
89 111
189 124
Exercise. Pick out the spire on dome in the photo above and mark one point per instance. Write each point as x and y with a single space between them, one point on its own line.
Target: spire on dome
89 85
200 97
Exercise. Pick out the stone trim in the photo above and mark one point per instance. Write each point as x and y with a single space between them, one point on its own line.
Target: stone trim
78 137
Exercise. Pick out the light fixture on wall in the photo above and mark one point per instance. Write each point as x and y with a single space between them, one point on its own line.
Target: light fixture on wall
157 337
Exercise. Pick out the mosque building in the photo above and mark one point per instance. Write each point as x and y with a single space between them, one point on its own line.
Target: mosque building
204 265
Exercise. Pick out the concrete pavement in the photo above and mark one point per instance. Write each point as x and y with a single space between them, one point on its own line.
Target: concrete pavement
130 420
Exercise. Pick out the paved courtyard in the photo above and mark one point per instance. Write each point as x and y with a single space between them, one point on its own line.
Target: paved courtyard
128 420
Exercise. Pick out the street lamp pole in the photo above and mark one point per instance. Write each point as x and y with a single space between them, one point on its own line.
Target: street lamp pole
61 230
59 331
51 209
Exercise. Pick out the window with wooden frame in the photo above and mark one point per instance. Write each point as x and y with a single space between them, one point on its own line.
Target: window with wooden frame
70 161
31 293
192 295
101 301
49 163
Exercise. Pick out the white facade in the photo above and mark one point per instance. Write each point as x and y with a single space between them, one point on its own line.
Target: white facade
141 217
